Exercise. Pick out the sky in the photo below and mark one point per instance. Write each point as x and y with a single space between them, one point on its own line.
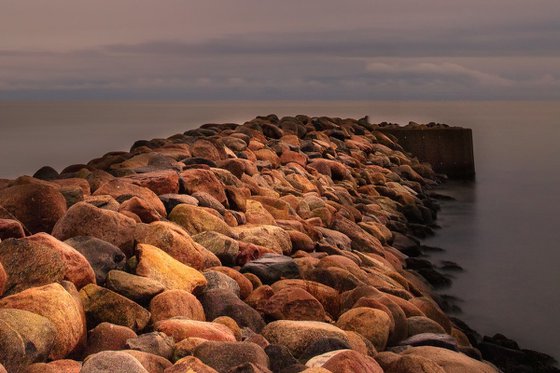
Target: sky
262 49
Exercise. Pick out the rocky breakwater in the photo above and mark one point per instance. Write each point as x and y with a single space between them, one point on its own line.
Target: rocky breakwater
278 245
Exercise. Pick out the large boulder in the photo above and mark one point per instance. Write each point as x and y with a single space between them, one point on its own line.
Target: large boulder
225 355
294 304
59 306
101 255
111 362
196 220
269 236
84 219
37 206
200 180
104 305
25 338
328 296
298 335
176 242
154 263
371 323
174 303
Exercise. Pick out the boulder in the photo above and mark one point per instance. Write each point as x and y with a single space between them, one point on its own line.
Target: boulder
10 228
224 247
280 357
122 189
328 296
271 268
139 289
299 335
421 324
104 305
159 182
37 206
190 364
151 362
58 366
345 361
245 286
219 280
220 302
200 180
431 339
172 200
173 239
101 255
107 337
181 328
224 355
173 303
372 323
57 305
154 343
25 338
361 240
84 219
136 206
111 362
410 363
430 308
207 200
450 361
269 236
294 304
197 220
324 345
158 265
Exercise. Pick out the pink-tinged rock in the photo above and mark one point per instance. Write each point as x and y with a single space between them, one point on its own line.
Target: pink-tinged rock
154 263
112 362
200 180
58 366
107 336
174 303
294 304
159 182
37 206
328 296
190 364
121 189
176 242
245 286
372 323
56 304
450 361
141 208
84 219
3 279
180 328
10 228
345 361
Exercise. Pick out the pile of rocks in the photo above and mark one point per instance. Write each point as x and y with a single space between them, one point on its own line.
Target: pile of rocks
272 246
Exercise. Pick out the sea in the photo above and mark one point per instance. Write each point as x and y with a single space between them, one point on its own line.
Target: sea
503 228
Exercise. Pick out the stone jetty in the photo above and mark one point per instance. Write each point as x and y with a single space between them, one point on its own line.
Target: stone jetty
276 245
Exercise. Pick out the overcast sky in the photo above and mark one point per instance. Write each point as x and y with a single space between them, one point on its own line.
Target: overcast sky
263 49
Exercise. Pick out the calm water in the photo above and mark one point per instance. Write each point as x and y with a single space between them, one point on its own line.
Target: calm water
504 229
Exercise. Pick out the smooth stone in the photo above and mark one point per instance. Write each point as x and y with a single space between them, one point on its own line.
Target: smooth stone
224 355
111 362
322 346
176 242
421 324
196 220
59 306
450 361
245 286
200 180
155 343
10 228
269 236
431 339
109 226
159 182
372 323
136 206
207 200
172 200
121 189
328 296
104 305
219 280
173 303
345 361
271 268
190 364
294 304
411 363
156 264
220 302
430 308
139 289
224 247
151 362
249 368
280 357
25 338
299 335
37 206
181 328
101 255
57 366
108 337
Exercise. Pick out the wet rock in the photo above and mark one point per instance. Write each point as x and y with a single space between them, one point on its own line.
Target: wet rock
58 306
372 323
107 337
37 206
112 361
299 335
157 265
104 305
139 289
197 220
224 355
176 303
271 268
181 328
101 255
172 239
220 302
345 361
294 304
84 219
219 280
25 338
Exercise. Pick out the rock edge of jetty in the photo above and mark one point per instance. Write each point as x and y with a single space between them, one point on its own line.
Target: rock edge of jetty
277 245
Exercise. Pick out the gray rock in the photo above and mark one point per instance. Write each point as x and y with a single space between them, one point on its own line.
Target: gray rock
111 362
219 280
156 343
139 289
